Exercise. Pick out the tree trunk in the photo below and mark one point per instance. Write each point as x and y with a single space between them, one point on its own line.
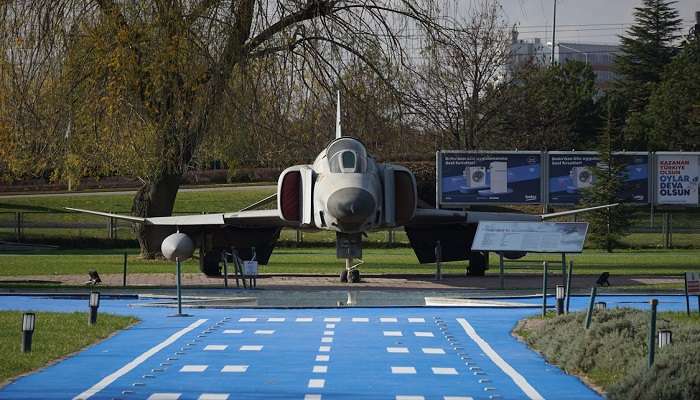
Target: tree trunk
155 199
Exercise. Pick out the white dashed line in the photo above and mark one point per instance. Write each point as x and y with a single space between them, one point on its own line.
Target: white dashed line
326 340
331 319
193 368
164 396
457 398
444 371
328 333
233 331
316 383
330 326
276 319
500 362
249 347
304 319
403 370
433 350
248 319
324 349
106 381
234 368
312 397
416 320
215 347
393 333
388 319
320 369
397 349
424 334
323 357
360 319
264 332
213 396
400 397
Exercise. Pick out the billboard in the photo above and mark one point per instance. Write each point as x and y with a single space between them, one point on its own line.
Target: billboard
677 178
466 177
570 173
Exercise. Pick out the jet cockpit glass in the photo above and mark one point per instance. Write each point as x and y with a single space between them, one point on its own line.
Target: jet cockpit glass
347 155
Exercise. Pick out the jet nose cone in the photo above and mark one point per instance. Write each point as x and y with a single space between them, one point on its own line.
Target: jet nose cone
351 206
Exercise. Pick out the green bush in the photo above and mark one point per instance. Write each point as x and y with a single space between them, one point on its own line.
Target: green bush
612 354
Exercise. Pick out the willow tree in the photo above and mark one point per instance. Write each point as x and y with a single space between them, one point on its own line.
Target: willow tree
144 79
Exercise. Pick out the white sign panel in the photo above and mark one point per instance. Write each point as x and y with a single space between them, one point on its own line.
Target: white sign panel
677 180
537 237
692 279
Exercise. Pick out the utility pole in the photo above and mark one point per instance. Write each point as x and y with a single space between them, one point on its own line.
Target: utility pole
554 30
697 24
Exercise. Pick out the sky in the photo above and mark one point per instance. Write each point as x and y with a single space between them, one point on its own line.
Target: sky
580 21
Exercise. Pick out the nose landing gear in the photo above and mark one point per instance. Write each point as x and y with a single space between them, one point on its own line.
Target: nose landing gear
351 273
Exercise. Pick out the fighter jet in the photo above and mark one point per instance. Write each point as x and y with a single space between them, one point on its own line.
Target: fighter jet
345 191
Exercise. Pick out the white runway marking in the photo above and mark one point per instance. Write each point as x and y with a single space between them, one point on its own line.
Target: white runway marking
215 347
388 319
275 319
323 357
403 397
328 333
233 331
248 319
264 332
320 369
397 349
393 333
444 371
500 362
331 319
234 368
317 383
330 326
193 368
360 319
326 340
312 397
304 319
403 370
164 396
106 381
249 347
424 334
324 349
433 350
213 396
458 398
416 320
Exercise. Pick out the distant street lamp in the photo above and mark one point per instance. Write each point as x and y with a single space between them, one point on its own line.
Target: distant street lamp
94 305
28 320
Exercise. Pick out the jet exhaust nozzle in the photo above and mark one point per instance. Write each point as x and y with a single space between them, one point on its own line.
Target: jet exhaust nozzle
177 246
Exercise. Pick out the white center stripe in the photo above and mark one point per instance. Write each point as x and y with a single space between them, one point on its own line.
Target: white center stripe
193 368
387 319
317 383
250 348
275 319
328 333
331 319
322 357
164 396
416 320
326 340
312 397
213 396
304 319
234 368
500 362
433 350
403 370
393 333
424 334
106 381
264 332
324 349
397 349
400 397
356 319
444 371
458 398
320 369
248 319
215 347
233 331
330 326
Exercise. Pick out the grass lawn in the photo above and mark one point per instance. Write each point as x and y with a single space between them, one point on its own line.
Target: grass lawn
323 261
55 336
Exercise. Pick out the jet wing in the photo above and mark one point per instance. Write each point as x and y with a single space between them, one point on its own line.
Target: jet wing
252 218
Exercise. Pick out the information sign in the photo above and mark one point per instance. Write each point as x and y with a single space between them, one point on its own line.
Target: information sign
536 237
489 177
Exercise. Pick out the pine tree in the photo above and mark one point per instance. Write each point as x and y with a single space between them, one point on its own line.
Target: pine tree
646 48
607 226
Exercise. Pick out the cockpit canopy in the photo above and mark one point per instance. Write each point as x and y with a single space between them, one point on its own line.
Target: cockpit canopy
347 155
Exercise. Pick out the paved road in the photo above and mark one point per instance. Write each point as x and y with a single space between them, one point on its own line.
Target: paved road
331 353
221 188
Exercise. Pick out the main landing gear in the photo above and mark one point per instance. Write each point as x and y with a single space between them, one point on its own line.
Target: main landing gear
350 273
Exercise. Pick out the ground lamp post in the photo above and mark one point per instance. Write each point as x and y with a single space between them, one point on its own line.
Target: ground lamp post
94 305
178 247
665 337
560 299
28 320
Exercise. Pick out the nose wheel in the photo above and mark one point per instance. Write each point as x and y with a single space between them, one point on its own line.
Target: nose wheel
350 273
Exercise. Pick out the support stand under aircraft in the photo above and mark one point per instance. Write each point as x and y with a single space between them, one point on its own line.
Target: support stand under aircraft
345 190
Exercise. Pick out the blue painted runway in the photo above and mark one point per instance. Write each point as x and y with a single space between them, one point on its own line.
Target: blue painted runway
329 353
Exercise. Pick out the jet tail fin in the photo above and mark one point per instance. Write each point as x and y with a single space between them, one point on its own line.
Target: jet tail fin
580 210
338 132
